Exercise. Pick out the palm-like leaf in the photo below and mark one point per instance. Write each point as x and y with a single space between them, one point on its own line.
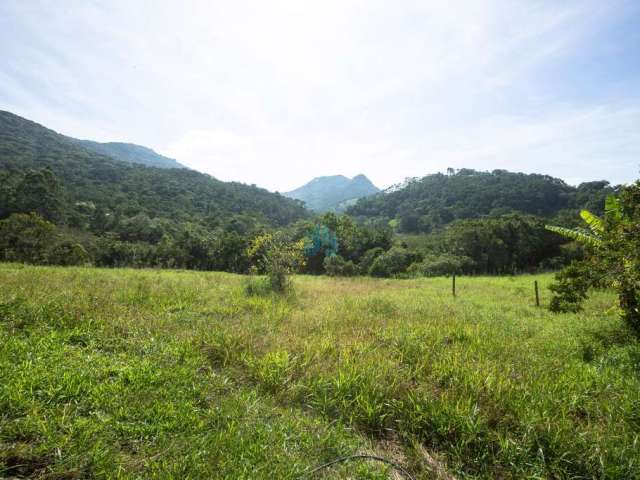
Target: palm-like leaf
576 234
612 207
592 237
595 224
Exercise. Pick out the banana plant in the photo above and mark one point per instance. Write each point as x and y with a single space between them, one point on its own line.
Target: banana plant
591 237
596 225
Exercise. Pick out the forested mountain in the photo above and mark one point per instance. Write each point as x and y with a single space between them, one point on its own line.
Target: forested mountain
333 193
56 194
129 152
128 189
423 204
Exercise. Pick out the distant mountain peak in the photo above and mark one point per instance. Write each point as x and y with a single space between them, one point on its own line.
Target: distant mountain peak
130 153
334 192
362 179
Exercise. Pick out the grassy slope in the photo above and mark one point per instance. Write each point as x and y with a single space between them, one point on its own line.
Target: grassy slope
179 374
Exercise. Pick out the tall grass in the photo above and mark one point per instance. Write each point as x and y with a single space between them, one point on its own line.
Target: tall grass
123 373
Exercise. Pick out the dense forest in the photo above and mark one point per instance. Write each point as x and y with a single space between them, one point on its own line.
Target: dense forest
424 204
119 213
122 189
61 203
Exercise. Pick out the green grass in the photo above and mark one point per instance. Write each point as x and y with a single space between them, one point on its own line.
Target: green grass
171 374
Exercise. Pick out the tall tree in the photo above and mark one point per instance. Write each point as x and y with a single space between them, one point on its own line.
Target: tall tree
40 192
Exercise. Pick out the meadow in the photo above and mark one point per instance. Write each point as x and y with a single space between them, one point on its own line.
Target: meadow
180 374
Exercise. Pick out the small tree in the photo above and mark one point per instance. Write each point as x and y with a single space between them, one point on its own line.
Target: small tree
390 263
320 242
277 258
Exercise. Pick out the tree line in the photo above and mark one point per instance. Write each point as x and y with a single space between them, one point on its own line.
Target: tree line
40 224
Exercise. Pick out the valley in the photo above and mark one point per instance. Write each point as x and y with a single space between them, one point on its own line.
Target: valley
319 240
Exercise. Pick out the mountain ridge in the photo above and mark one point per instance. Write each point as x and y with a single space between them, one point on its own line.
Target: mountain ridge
130 152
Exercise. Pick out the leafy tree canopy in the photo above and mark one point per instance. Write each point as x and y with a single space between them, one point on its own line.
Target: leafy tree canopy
424 204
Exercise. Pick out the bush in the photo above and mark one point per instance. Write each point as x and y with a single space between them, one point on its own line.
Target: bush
368 258
442 264
276 257
26 237
336 266
390 263
570 289
68 252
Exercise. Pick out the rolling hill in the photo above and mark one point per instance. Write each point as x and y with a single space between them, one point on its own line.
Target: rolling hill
127 188
421 204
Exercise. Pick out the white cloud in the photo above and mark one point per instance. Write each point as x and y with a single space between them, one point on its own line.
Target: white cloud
276 92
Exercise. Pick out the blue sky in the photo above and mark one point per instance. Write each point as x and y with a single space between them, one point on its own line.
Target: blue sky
275 93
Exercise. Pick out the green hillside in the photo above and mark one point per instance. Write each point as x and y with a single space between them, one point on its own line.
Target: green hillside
63 204
91 208
422 204
127 189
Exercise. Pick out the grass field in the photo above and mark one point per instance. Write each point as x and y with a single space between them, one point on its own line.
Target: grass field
172 374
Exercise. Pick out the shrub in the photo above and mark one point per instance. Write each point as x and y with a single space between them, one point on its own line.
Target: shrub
68 253
276 257
336 266
570 289
442 264
368 258
390 263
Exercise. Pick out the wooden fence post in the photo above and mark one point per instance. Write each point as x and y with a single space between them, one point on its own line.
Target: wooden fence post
453 285
535 284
